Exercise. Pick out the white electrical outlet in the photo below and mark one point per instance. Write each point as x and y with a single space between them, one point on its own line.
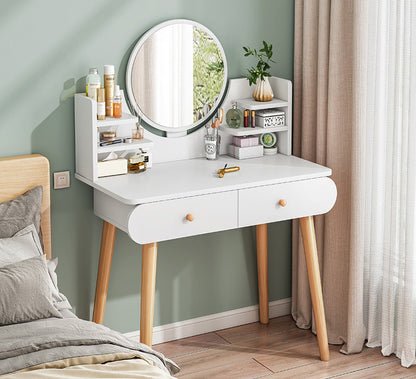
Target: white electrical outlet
61 180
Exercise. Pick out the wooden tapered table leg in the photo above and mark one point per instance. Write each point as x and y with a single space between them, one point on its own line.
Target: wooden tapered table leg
262 272
312 264
104 267
149 258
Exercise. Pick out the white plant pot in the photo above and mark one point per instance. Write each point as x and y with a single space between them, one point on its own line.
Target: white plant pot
263 90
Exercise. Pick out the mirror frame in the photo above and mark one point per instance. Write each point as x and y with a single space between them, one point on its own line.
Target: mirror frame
170 132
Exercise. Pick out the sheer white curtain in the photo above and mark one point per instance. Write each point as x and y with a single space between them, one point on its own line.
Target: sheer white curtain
385 163
355 111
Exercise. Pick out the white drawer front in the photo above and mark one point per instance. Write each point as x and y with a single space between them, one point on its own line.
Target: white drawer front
166 220
260 205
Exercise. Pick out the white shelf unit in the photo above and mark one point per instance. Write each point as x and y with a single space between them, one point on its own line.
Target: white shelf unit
239 93
87 128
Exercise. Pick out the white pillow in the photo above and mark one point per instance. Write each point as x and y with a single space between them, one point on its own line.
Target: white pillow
23 245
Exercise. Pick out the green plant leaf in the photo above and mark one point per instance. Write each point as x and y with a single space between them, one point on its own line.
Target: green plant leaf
263 55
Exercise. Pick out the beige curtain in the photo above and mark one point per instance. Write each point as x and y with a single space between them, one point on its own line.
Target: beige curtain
325 114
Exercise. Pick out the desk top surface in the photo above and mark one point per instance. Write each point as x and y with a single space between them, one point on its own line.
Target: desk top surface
171 180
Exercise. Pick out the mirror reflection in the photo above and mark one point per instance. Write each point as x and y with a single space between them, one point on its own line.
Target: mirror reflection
178 75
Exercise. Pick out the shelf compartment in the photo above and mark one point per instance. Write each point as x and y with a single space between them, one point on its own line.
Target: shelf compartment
114 121
144 143
252 131
250 103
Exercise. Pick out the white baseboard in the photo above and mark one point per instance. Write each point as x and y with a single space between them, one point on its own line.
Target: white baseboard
217 321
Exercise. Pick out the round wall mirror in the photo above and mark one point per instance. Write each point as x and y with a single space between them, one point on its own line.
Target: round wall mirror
176 76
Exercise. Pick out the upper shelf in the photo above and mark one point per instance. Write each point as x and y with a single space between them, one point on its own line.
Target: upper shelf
250 103
252 131
114 121
140 144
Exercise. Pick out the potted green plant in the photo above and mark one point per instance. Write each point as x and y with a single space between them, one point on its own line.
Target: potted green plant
259 73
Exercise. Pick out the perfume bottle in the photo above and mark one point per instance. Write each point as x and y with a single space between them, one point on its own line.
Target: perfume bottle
234 117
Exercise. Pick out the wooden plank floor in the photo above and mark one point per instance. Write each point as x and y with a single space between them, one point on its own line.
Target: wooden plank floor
277 350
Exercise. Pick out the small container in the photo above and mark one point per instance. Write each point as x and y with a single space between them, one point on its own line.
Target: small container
101 104
93 83
253 119
137 133
245 141
212 146
268 139
245 152
270 150
108 136
136 164
117 102
270 117
127 140
112 167
246 114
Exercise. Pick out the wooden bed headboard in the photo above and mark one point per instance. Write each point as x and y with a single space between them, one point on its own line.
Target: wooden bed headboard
21 173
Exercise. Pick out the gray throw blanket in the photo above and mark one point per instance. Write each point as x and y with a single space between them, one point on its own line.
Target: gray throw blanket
33 343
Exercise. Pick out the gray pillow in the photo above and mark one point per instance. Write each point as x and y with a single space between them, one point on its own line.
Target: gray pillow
25 292
20 212
23 245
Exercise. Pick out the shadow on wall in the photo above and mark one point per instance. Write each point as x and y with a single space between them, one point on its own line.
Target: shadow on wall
8 10
75 230
71 87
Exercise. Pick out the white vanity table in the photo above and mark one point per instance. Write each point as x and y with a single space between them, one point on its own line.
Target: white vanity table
182 195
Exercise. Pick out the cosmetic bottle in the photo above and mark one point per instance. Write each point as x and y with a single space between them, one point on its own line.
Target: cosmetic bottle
109 88
234 117
101 104
246 114
93 82
253 119
117 102
136 164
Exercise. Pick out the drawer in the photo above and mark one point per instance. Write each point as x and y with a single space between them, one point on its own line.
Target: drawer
260 205
166 220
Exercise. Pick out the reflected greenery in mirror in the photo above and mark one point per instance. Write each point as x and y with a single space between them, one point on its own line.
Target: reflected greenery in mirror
208 72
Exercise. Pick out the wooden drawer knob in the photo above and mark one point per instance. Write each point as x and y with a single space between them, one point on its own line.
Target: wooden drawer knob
282 202
190 217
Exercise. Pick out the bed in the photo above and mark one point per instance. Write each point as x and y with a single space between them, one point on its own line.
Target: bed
39 336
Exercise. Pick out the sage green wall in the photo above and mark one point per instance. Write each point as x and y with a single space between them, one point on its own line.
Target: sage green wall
47 48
